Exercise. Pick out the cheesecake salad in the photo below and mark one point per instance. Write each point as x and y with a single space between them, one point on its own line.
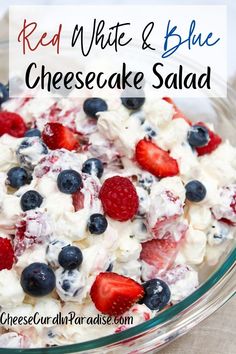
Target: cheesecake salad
107 206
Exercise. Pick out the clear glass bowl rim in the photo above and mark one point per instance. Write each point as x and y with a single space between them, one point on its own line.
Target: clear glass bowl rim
225 270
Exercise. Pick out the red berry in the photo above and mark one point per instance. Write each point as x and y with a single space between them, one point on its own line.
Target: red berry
119 198
78 200
57 136
12 124
6 254
159 253
214 141
114 294
155 160
178 113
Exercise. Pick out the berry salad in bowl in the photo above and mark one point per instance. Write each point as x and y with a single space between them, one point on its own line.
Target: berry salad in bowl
109 207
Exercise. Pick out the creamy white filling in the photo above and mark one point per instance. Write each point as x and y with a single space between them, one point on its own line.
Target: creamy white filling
112 139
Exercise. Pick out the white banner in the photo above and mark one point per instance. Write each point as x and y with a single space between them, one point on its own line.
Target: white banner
178 51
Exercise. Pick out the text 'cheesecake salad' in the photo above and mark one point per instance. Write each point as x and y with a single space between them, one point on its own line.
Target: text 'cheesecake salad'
106 207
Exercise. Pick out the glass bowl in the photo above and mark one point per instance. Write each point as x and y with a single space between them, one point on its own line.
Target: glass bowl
218 282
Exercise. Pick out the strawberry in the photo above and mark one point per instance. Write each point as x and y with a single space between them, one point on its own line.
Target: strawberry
155 160
178 113
159 253
6 254
78 200
57 136
214 141
12 124
114 294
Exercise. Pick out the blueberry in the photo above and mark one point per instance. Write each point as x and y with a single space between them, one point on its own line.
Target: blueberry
69 181
198 136
38 279
18 177
145 180
110 268
4 93
70 257
30 152
195 191
31 200
65 284
94 105
157 294
33 132
93 167
133 103
69 283
97 224
150 132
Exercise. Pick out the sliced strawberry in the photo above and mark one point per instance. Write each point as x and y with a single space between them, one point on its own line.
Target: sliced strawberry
160 253
12 124
57 136
155 160
78 200
178 113
214 141
114 294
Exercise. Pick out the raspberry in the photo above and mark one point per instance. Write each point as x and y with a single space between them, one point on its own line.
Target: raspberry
6 254
12 124
119 198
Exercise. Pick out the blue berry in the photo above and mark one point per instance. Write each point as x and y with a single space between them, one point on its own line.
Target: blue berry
69 283
38 279
198 136
30 152
145 180
94 105
4 93
110 268
97 224
69 181
157 294
93 167
33 132
195 191
31 200
18 177
133 103
150 132
70 257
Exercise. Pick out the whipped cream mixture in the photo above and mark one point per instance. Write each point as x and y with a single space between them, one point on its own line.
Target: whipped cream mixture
185 233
